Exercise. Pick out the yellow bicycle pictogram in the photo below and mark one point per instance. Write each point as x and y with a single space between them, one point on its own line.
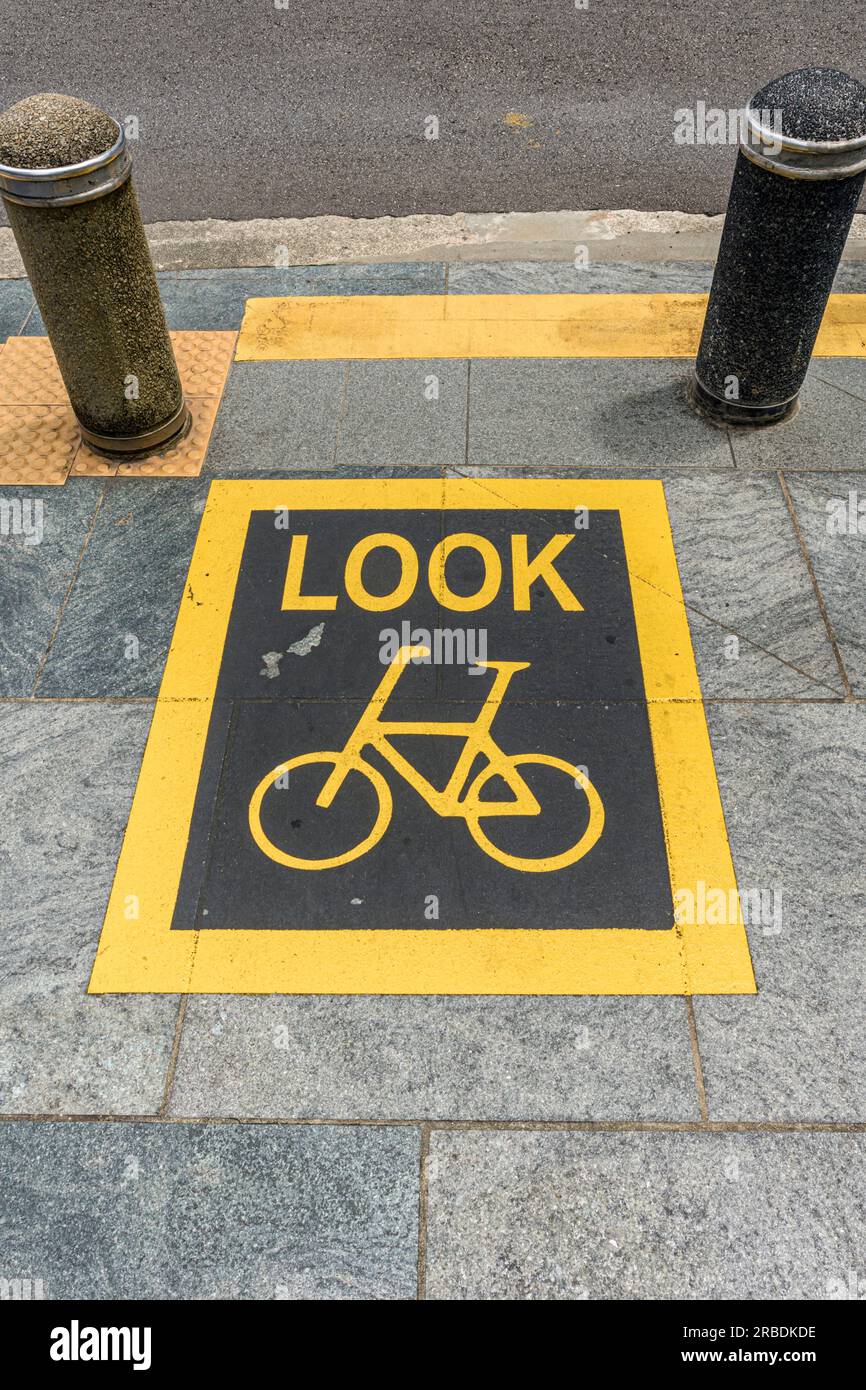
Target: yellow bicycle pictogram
455 799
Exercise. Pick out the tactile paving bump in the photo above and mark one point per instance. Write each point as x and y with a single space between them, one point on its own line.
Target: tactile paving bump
39 438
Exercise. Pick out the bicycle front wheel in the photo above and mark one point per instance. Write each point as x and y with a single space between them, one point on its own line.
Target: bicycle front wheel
548 863
279 775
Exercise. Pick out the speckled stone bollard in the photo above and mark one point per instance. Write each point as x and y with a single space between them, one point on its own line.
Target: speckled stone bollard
65 181
797 182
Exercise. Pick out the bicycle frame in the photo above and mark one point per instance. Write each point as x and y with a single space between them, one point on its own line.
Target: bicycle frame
372 729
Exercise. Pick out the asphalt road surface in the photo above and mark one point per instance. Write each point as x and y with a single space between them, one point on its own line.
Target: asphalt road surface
250 110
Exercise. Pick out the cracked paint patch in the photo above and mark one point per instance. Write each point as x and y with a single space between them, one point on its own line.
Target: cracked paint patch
302 647
271 668
305 645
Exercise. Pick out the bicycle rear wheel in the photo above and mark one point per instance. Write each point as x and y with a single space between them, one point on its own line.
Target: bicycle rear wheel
548 863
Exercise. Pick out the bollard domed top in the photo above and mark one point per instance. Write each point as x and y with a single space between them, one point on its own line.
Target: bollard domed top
814 104
52 131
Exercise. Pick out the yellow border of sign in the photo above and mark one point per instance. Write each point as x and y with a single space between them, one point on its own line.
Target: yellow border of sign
138 953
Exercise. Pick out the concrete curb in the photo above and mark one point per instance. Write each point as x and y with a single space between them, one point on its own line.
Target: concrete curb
542 236
489 236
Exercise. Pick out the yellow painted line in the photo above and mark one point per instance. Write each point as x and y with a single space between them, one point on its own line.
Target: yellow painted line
503 325
138 953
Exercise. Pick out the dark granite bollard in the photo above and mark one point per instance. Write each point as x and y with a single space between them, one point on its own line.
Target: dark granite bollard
65 182
797 181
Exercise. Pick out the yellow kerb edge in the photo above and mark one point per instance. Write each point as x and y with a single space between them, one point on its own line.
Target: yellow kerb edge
420 326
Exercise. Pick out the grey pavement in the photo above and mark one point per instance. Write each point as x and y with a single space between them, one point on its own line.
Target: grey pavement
211 1211
68 774
539 107
587 1147
16 304
643 1216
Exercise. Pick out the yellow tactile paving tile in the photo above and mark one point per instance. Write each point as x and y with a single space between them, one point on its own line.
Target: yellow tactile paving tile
39 438
203 361
37 444
29 374
503 325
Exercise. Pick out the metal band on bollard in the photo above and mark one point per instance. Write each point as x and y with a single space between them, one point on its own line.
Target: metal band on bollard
796 185
76 183
802 159
145 443
65 182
